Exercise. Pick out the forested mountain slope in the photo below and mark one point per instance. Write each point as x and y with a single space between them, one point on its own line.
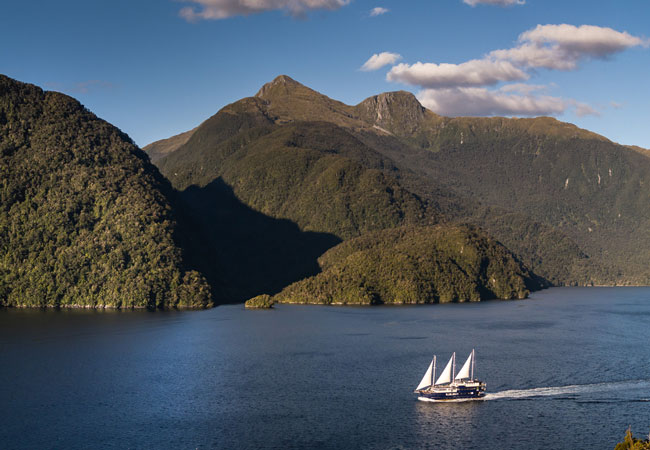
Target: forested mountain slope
436 264
568 202
283 154
85 219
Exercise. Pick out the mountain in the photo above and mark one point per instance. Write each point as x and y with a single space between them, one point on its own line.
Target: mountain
437 264
314 177
159 149
569 203
85 218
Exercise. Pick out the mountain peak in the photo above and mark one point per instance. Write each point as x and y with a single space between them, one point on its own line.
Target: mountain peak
286 79
282 85
392 110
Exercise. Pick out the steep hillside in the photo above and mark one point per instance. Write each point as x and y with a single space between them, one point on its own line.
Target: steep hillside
268 160
243 252
270 200
567 201
414 265
582 185
313 173
84 217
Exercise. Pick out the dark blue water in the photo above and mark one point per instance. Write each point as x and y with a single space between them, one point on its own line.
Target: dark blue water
568 368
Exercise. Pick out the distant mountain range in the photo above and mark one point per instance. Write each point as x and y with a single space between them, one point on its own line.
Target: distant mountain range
296 195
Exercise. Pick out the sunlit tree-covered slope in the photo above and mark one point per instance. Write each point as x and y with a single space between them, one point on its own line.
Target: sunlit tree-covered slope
436 264
84 217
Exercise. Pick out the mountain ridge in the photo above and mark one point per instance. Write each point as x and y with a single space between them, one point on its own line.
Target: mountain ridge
377 111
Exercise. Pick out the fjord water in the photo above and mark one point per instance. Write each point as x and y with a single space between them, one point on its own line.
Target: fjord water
568 368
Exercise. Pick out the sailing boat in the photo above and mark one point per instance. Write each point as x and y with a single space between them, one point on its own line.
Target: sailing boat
449 386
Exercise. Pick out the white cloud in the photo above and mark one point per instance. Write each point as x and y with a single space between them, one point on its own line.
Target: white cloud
473 101
461 89
530 55
222 9
378 11
477 72
523 88
494 2
585 39
377 61
562 46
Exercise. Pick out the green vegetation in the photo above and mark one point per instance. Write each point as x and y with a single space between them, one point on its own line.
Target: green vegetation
589 189
250 198
263 301
242 252
271 182
436 264
568 202
84 217
631 443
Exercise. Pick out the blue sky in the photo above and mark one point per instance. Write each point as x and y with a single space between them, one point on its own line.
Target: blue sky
155 68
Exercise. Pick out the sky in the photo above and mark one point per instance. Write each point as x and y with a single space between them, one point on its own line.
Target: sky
155 68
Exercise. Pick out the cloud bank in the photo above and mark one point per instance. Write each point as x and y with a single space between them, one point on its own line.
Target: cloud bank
379 60
484 102
222 9
462 89
561 47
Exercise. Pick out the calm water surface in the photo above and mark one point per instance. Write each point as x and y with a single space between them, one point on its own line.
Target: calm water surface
567 369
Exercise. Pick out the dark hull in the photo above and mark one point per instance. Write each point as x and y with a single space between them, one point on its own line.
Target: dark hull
453 393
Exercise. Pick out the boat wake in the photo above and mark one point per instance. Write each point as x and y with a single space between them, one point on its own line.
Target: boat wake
578 391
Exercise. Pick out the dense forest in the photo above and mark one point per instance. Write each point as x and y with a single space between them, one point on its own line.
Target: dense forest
305 199
436 264
567 202
85 219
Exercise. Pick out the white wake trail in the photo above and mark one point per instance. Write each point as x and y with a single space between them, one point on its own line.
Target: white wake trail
575 389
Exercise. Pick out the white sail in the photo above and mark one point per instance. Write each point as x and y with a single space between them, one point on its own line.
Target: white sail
426 379
445 376
465 370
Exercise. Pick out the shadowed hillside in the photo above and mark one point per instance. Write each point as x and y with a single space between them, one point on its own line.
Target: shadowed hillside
315 174
242 252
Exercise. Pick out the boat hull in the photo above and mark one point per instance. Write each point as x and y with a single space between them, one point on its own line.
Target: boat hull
453 393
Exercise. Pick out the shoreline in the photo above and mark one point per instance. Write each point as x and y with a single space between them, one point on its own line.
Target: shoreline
101 308
190 308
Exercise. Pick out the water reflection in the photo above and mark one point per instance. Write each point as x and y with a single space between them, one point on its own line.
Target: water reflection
447 423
